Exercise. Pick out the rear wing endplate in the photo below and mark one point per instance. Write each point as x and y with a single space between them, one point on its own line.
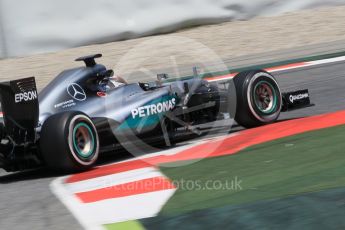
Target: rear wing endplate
19 104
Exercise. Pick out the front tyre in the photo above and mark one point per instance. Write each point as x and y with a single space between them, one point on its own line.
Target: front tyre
69 142
259 99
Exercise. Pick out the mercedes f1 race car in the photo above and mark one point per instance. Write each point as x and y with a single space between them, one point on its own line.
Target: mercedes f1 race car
82 112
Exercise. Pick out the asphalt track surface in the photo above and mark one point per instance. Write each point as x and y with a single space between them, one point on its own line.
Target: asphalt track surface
27 203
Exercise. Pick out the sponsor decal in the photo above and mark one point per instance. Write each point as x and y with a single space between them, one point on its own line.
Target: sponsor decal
26 96
298 97
76 92
154 109
65 104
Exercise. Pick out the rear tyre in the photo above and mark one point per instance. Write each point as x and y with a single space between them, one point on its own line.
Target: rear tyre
69 142
259 99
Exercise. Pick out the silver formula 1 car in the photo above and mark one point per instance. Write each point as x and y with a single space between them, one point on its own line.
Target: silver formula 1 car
81 112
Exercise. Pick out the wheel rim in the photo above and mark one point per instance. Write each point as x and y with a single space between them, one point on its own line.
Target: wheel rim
83 140
265 97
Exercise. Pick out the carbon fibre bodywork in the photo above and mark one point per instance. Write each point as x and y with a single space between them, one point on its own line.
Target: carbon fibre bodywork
133 109
140 110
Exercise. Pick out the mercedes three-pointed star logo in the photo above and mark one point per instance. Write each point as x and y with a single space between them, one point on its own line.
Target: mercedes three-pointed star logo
76 92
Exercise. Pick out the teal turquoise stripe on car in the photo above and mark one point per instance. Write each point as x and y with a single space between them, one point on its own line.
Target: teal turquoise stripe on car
149 115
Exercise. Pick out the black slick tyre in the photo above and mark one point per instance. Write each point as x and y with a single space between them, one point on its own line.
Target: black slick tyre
69 142
259 99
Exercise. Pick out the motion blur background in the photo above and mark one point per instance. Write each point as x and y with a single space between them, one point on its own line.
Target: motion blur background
244 33
40 26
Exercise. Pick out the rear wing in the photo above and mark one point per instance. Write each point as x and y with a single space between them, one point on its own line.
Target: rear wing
19 104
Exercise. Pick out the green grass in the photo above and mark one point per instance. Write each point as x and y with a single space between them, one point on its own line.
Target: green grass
299 164
128 225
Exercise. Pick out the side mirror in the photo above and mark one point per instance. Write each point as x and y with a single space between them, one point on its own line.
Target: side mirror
109 73
105 74
162 76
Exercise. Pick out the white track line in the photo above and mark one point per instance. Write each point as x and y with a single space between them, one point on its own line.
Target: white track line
71 202
112 180
124 209
327 61
277 69
96 214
